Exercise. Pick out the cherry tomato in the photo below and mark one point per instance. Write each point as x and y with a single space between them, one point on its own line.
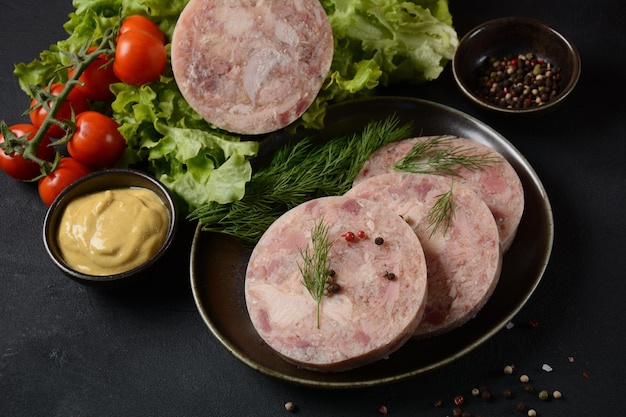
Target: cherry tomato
96 79
143 24
96 142
140 58
15 165
67 171
75 100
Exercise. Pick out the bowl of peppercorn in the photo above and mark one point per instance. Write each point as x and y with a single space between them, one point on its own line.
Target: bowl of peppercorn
516 65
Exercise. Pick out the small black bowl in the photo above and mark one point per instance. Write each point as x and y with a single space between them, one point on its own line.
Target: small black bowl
515 36
101 181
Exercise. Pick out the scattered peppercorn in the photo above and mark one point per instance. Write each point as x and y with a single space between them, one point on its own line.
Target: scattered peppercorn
466 414
518 82
290 406
457 412
360 234
557 394
438 403
379 241
520 407
532 413
475 392
459 400
331 273
507 393
383 409
389 275
543 395
333 288
529 388
348 236
508 370
524 378
485 395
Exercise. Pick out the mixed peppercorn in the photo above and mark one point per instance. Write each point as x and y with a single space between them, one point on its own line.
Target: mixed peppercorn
518 81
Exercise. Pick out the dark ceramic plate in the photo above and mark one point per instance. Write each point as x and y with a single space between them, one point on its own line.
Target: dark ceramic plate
218 263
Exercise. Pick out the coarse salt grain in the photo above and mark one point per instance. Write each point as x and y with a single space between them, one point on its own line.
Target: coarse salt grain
546 367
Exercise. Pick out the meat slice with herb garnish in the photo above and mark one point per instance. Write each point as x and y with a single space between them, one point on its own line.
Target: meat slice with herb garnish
470 163
458 235
335 283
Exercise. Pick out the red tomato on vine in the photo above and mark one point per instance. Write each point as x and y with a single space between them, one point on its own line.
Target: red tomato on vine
75 102
96 142
96 79
140 58
67 171
143 24
15 165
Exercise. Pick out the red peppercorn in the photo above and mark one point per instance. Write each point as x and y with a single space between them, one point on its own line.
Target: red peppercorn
361 234
459 400
348 236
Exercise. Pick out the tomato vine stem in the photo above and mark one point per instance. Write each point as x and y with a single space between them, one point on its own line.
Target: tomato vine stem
52 104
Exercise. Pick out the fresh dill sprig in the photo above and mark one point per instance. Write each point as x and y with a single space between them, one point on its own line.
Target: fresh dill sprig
315 267
442 212
299 172
438 155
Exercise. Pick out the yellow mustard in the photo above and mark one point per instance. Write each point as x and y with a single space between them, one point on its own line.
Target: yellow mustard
112 231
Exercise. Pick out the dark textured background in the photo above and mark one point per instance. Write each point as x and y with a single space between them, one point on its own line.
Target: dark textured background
67 350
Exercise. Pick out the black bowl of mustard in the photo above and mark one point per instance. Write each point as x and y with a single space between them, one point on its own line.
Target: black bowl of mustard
111 228
516 65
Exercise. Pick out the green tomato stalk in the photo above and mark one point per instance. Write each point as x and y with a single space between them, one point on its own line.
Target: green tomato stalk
52 104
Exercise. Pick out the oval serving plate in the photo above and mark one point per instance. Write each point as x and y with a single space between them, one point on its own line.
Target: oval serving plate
218 262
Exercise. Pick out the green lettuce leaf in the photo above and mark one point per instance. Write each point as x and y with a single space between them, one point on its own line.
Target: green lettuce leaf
192 158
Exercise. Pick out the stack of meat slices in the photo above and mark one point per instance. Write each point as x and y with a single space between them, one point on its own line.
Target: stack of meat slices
495 181
403 276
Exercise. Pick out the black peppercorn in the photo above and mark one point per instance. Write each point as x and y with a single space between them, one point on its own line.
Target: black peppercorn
485 395
389 275
379 241
334 288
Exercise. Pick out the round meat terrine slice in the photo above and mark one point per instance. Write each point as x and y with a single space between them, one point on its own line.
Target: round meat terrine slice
380 285
251 67
492 177
463 256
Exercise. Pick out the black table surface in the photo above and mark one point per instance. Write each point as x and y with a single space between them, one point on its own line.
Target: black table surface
69 350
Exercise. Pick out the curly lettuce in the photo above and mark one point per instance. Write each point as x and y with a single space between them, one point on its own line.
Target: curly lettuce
194 160
381 43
